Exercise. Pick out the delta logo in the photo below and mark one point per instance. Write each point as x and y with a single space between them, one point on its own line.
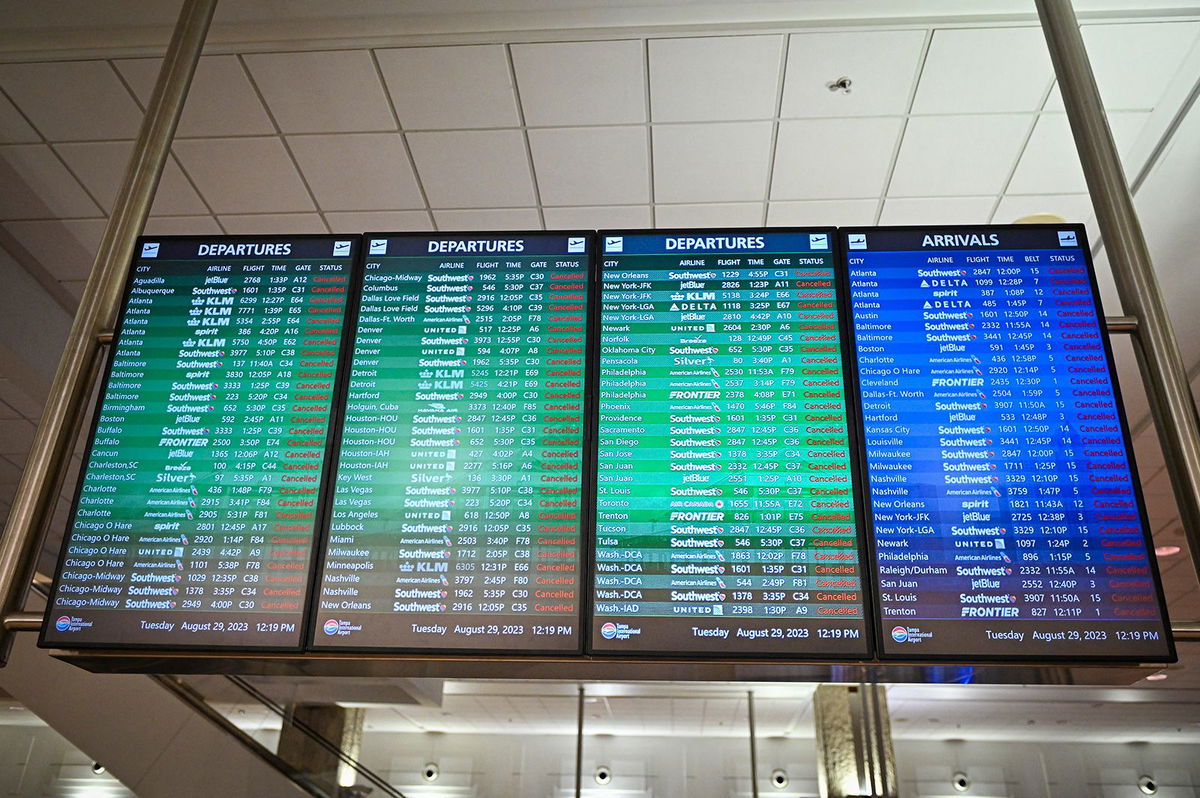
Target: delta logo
336 628
69 623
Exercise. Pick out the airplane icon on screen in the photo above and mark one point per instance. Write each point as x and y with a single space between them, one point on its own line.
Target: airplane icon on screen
1067 238
576 244
614 244
150 249
857 240
341 248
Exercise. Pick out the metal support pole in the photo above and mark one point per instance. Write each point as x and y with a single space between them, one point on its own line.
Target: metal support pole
579 746
52 444
753 745
1167 387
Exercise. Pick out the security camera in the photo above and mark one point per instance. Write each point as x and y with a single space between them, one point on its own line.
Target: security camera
779 778
960 782
1147 785
98 769
431 771
603 774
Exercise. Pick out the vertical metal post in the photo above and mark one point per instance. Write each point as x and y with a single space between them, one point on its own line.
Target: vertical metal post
855 757
1167 387
52 444
753 745
579 746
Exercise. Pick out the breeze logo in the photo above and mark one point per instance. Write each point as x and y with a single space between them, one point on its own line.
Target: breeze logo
334 627
69 623
618 631
909 634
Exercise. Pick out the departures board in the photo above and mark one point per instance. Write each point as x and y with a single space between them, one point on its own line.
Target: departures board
194 521
457 513
726 507
1007 519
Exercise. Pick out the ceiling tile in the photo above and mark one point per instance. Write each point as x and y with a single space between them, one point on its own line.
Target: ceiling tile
379 221
957 155
273 224
450 87
1072 207
864 150
714 78
490 219
322 92
823 213
358 171
613 217
1050 163
473 168
937 210
726 214
244 175
220 102
72 100
13 127
882 66
101 167
16 435
1134 63
182 226
37 186
734 158
973 70
581 83
66 248
591 166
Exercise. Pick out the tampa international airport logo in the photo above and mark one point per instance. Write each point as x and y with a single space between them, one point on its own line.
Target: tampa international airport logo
69 623
899 633
618 631
335 628
909 634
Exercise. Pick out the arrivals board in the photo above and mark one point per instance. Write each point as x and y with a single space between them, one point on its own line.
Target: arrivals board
726 507
196 508
457 510
1007 520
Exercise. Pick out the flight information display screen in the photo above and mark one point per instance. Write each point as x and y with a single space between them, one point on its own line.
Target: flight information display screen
1007 520
726 508
457 509
197 504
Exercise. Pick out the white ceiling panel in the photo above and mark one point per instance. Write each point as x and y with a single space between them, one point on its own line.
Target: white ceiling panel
244 175
839 213
804 168
937 210
13 127
1050 163
1134 63
882 66
490 219
723 214
220 102
1072 207
711 163
182 226
322 92
37 186
101 166
613 217
273 223
379 221
474 168
450 87
581 83
66 248
976 70
957 155
358 171
714 78
72 100
591 166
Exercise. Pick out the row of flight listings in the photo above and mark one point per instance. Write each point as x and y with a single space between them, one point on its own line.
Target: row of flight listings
899 443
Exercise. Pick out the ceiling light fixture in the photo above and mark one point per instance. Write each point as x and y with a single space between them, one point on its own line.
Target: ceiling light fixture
1156 677
1166 551
841 85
